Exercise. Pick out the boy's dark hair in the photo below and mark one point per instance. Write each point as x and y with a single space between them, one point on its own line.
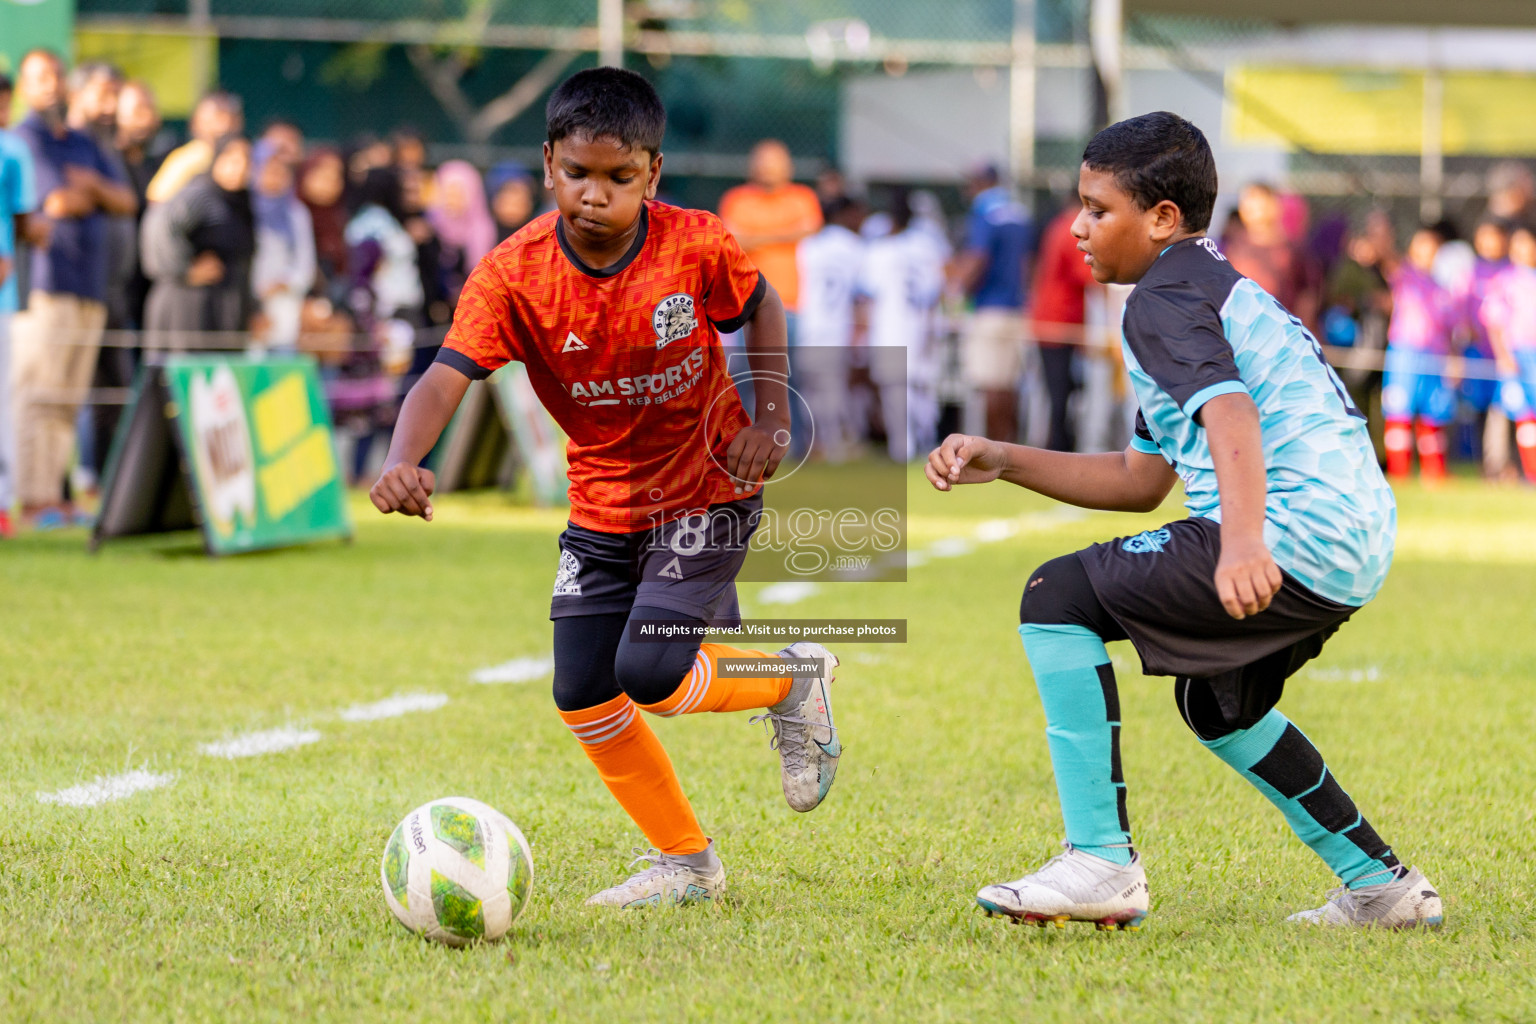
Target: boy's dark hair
607 103
1156 157
5 82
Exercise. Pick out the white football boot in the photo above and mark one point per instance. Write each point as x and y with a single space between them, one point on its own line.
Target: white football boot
668 880
1074 886
803 732
1407 902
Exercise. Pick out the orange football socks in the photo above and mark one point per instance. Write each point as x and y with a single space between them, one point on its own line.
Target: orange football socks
704 690
637 771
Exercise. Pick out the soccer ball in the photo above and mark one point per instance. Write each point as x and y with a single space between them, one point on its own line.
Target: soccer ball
457 871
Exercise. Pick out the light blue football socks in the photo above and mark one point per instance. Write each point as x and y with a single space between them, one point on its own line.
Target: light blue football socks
1082 728
1280 762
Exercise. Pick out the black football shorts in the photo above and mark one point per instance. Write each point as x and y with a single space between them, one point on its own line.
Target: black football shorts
1160 586
688 565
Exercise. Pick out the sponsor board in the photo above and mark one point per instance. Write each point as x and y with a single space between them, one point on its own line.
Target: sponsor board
240 448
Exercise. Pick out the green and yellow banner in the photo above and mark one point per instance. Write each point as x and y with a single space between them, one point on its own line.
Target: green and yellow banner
257 438
238 447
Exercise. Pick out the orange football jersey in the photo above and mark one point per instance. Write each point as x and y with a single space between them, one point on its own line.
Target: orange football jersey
626 358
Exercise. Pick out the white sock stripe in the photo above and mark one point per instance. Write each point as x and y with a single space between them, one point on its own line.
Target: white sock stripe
626 707
592 741
602 724
706 673
687 687
602 735
697 687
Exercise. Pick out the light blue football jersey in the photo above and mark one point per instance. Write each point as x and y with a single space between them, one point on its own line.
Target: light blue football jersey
1194 328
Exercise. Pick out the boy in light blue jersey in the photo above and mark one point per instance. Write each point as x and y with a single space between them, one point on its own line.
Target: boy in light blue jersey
1291 530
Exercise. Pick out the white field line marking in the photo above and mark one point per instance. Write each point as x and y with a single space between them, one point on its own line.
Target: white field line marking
787 593
394 707
994 530
254 744
106 788
950 547
990 531
1369 674
518 670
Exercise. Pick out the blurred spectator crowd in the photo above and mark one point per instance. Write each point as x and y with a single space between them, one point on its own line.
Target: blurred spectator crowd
118 245
1432 331
134 247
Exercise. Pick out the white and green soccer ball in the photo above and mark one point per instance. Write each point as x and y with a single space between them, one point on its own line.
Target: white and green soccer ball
457 871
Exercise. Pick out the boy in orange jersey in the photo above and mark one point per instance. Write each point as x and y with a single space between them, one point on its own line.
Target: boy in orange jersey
615 304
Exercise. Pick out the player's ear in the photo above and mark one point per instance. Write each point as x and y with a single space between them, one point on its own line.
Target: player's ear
549 165
653 177
1163 220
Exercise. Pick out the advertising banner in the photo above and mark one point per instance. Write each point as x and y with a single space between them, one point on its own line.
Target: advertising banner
256 457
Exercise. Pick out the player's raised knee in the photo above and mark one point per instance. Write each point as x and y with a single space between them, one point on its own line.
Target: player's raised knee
651 672
1050 590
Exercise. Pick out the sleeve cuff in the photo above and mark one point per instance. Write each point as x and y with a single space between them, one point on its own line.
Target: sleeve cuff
1199 398
461 362
739 321
1144 446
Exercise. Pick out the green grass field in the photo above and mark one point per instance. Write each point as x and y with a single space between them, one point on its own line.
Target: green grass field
249 889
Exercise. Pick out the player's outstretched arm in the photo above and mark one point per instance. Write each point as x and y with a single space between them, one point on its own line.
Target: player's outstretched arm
404 486
1128 481
756 451
1246 574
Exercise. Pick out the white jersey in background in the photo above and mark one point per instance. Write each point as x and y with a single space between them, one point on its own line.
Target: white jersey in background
902 279
829 263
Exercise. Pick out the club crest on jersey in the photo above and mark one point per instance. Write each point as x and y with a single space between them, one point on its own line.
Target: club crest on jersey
674 319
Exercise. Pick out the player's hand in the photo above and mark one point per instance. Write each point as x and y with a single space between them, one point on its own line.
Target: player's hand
1247 578
755 453
404 488
965 459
